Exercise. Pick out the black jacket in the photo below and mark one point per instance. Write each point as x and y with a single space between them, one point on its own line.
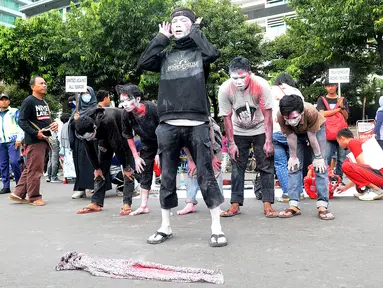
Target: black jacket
184 71
109 137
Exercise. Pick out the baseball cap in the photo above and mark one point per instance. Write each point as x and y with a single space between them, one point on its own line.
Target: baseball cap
4 96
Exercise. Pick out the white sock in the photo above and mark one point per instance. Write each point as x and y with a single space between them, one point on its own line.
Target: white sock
165 226
216 221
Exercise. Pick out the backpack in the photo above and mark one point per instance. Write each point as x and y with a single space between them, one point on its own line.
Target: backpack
335 122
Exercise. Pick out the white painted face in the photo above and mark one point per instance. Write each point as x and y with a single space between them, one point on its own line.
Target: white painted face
241 79
293 119
129 103
181 26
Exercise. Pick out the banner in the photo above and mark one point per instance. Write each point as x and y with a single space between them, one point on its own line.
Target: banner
365 128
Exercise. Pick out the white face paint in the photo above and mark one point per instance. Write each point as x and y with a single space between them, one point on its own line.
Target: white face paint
293 119
241 79
181 26
129 103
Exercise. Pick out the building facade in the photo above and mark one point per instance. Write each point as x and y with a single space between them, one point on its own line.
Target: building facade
269 14
41 6
10 10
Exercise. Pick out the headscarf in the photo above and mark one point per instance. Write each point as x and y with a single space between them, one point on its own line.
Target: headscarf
82 106
380 103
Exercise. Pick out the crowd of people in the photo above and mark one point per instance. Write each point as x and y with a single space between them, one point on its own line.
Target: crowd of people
287 135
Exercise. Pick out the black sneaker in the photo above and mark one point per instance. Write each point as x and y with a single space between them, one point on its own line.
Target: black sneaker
48 179
5 191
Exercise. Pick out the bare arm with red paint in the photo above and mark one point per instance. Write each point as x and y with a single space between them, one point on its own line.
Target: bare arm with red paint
140 163
233 149
191 164
268 148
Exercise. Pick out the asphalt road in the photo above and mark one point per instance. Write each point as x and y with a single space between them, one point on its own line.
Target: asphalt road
299 252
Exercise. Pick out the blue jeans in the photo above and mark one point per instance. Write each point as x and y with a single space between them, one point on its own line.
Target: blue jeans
331 147
296 180
192 188
9 155
281 156
53 163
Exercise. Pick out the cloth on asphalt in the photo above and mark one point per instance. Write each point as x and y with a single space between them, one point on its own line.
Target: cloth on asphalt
137 270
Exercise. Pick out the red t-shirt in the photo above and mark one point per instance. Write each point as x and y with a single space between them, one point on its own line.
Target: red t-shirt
355 146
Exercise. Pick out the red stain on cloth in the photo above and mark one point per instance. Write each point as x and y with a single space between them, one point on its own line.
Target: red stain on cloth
137 270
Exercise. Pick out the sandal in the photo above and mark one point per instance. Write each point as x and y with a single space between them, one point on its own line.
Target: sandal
271 213
214 240
163 238
325 215
87 210
284 213
230 213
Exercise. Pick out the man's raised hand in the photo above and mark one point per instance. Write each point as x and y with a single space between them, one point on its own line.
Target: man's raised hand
164 28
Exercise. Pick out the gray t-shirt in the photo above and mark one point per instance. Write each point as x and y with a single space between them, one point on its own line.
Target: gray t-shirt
245 106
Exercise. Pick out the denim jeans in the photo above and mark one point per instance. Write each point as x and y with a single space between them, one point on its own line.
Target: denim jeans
281 156
192 187
264 165
296 180
53 163
171 139
9 155
331 147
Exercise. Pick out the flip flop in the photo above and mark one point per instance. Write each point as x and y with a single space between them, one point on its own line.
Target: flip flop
325 213
230 213
289 210
215 243
87 210
271 214
163 238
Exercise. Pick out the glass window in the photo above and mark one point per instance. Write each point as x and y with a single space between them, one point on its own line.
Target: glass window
5 18
10 4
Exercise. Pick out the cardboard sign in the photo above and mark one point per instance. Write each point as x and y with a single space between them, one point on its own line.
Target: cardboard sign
75 83
365 129
339 75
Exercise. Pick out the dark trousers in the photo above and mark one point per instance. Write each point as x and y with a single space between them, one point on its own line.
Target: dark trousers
264 165
101 185
171 139
148 153
9 155
30 178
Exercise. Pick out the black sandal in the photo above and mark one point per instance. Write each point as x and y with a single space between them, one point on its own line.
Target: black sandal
163 238
215 243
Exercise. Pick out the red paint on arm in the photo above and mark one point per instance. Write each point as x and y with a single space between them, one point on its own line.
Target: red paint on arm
132 147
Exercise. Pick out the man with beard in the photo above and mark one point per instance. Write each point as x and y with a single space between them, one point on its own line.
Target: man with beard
183 111
104 125
246 102
140 117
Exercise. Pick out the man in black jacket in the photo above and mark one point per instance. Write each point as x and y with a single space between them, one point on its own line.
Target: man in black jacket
104 125
183 111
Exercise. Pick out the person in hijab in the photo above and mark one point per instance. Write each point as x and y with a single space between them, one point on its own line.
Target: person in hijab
378 130
84 169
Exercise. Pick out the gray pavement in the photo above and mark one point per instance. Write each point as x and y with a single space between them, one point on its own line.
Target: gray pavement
299 252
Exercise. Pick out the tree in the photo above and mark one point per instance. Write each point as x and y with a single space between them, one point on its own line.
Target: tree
226 28
330 34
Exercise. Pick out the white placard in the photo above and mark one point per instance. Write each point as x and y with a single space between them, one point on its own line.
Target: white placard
75 83
339 75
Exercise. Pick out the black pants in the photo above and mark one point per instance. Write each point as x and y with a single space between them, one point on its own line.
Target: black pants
264 165
101 186
171 139
148 153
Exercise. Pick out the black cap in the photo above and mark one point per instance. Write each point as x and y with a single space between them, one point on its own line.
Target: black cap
184 12
326 82
4 96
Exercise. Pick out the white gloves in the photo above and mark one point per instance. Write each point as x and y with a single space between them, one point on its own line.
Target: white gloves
293 164
319 165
